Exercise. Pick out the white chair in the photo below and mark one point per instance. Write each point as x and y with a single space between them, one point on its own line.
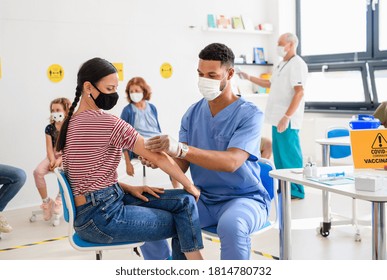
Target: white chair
271 185
69 212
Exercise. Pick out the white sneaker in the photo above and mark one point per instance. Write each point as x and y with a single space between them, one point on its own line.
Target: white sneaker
4 226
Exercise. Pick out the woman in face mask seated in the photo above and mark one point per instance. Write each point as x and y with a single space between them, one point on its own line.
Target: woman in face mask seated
140 114
108 211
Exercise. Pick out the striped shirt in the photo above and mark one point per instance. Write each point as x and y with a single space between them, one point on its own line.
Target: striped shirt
93 149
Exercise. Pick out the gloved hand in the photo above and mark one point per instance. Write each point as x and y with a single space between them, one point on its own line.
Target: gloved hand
164 143
283 124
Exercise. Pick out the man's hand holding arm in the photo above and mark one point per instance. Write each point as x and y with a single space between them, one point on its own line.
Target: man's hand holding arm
226 161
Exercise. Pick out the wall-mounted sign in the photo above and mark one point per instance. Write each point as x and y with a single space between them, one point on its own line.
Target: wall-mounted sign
55 73
120 70
166 70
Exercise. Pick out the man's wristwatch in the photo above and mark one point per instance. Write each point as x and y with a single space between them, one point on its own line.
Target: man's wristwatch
184 150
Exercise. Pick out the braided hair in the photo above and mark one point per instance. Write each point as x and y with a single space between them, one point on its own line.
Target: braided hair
91 71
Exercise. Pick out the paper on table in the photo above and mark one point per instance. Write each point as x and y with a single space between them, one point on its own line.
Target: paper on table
334 181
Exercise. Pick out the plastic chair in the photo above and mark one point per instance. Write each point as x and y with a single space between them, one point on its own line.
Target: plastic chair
69 212
271 185
338 152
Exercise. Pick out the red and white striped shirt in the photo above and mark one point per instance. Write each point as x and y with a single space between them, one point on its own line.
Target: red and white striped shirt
93 149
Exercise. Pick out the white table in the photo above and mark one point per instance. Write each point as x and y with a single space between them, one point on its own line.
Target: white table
327 223
326 143
378 200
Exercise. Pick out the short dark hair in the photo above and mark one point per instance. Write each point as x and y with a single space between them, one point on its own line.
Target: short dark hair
218 52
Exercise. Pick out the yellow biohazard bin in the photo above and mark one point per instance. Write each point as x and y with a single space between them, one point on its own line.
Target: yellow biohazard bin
369 146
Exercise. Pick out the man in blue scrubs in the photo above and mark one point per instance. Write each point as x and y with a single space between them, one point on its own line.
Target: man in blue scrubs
219 141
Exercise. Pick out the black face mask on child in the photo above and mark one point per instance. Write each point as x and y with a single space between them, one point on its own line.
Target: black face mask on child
105 101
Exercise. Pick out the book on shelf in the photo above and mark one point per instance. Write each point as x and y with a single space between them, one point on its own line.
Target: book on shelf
237 23
223 22
259 56
211 21
247 23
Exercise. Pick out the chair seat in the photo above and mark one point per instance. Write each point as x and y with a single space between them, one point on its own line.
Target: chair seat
212 229
85 244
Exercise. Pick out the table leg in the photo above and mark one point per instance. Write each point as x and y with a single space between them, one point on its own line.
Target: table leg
326 197
285 226
325 155
378 231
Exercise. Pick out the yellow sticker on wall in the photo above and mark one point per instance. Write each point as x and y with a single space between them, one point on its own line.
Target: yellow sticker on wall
166 70
120 70
55 73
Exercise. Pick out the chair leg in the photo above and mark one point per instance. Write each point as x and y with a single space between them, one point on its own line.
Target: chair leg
98 255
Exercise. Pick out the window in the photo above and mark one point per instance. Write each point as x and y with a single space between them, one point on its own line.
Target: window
329 86
378 74
340 39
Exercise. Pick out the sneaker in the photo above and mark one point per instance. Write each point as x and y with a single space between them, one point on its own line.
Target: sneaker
58 205
4 226
47 208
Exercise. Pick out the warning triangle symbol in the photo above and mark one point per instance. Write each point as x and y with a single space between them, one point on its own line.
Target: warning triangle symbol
379 142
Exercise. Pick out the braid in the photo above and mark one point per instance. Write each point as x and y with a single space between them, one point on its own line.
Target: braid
92 71
61 141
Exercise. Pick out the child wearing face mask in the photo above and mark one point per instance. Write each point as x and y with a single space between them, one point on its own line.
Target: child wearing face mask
59 109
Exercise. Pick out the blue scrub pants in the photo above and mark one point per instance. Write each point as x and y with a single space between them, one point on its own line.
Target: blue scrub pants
236 220
156 250
287 154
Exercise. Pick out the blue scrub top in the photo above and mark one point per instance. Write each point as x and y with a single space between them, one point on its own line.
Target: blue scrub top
236 126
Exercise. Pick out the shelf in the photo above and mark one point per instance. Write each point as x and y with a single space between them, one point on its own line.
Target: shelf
253 64
242 31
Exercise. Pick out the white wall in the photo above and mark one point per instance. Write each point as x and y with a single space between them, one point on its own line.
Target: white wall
142 34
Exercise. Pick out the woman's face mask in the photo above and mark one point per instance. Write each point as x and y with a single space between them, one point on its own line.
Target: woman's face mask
105 101
210 88
136 96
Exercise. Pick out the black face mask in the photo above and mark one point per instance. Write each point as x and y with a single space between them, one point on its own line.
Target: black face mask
105 101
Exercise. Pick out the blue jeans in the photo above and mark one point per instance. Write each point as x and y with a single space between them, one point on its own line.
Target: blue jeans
110 216
12 179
